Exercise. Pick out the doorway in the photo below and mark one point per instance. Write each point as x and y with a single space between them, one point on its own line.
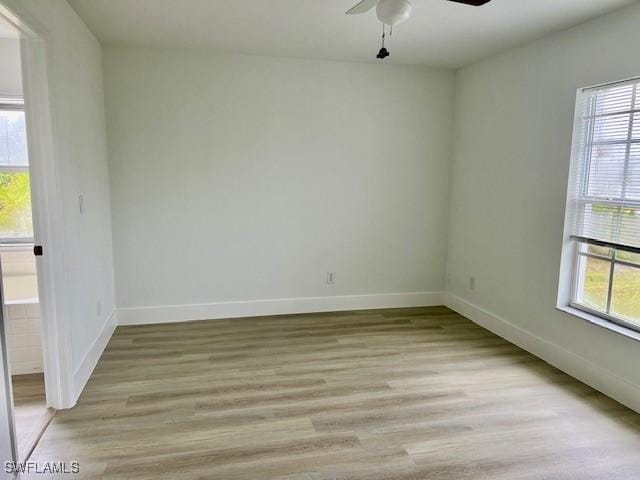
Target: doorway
23 337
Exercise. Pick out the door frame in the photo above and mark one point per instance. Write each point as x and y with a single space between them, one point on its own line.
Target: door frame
47 206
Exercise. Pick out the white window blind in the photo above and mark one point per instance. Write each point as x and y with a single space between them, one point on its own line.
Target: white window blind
13 135
606 190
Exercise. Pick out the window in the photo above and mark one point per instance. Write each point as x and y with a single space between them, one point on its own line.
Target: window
604 203
15 191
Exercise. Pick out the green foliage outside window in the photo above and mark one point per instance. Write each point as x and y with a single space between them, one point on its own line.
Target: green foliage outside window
15 205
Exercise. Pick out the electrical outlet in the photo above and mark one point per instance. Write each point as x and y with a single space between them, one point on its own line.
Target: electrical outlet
472 283
331 278
99 308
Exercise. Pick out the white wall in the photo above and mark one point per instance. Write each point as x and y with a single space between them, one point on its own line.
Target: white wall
10 77
238 178
513 131
19 281
76 90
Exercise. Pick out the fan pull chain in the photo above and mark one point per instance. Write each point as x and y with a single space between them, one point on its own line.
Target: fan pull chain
383 53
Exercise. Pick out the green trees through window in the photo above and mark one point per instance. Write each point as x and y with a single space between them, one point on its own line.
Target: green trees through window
15 193
15 206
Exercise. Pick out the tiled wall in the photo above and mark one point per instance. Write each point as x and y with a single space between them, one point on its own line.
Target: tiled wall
23 338
22 314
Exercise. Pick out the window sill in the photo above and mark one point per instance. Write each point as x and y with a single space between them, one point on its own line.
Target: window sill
601 322
16 247
23 301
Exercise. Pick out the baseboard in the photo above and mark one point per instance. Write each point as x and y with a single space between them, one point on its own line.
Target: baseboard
280 306
26 368
84 371
569 362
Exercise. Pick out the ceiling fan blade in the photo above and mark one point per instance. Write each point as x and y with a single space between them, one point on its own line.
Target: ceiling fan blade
474 3
363 7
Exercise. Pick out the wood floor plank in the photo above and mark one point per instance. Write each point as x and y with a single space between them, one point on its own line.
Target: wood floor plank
402 394
31 415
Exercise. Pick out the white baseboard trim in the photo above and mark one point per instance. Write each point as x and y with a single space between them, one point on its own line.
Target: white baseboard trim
569 362
90 360
26 368
279 306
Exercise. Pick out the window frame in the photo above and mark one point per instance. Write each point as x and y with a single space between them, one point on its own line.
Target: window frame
14 104
573 247
575 281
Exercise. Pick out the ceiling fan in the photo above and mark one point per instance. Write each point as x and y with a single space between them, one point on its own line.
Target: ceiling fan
394 12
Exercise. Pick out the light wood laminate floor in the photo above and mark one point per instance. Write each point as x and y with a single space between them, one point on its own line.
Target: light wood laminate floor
402 394
30 411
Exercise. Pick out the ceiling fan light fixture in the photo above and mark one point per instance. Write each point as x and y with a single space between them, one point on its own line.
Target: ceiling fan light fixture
393 12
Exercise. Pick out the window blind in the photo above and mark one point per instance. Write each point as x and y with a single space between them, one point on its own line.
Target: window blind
13 138
606 182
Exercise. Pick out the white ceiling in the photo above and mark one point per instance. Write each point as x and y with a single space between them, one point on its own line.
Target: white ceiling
440 33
